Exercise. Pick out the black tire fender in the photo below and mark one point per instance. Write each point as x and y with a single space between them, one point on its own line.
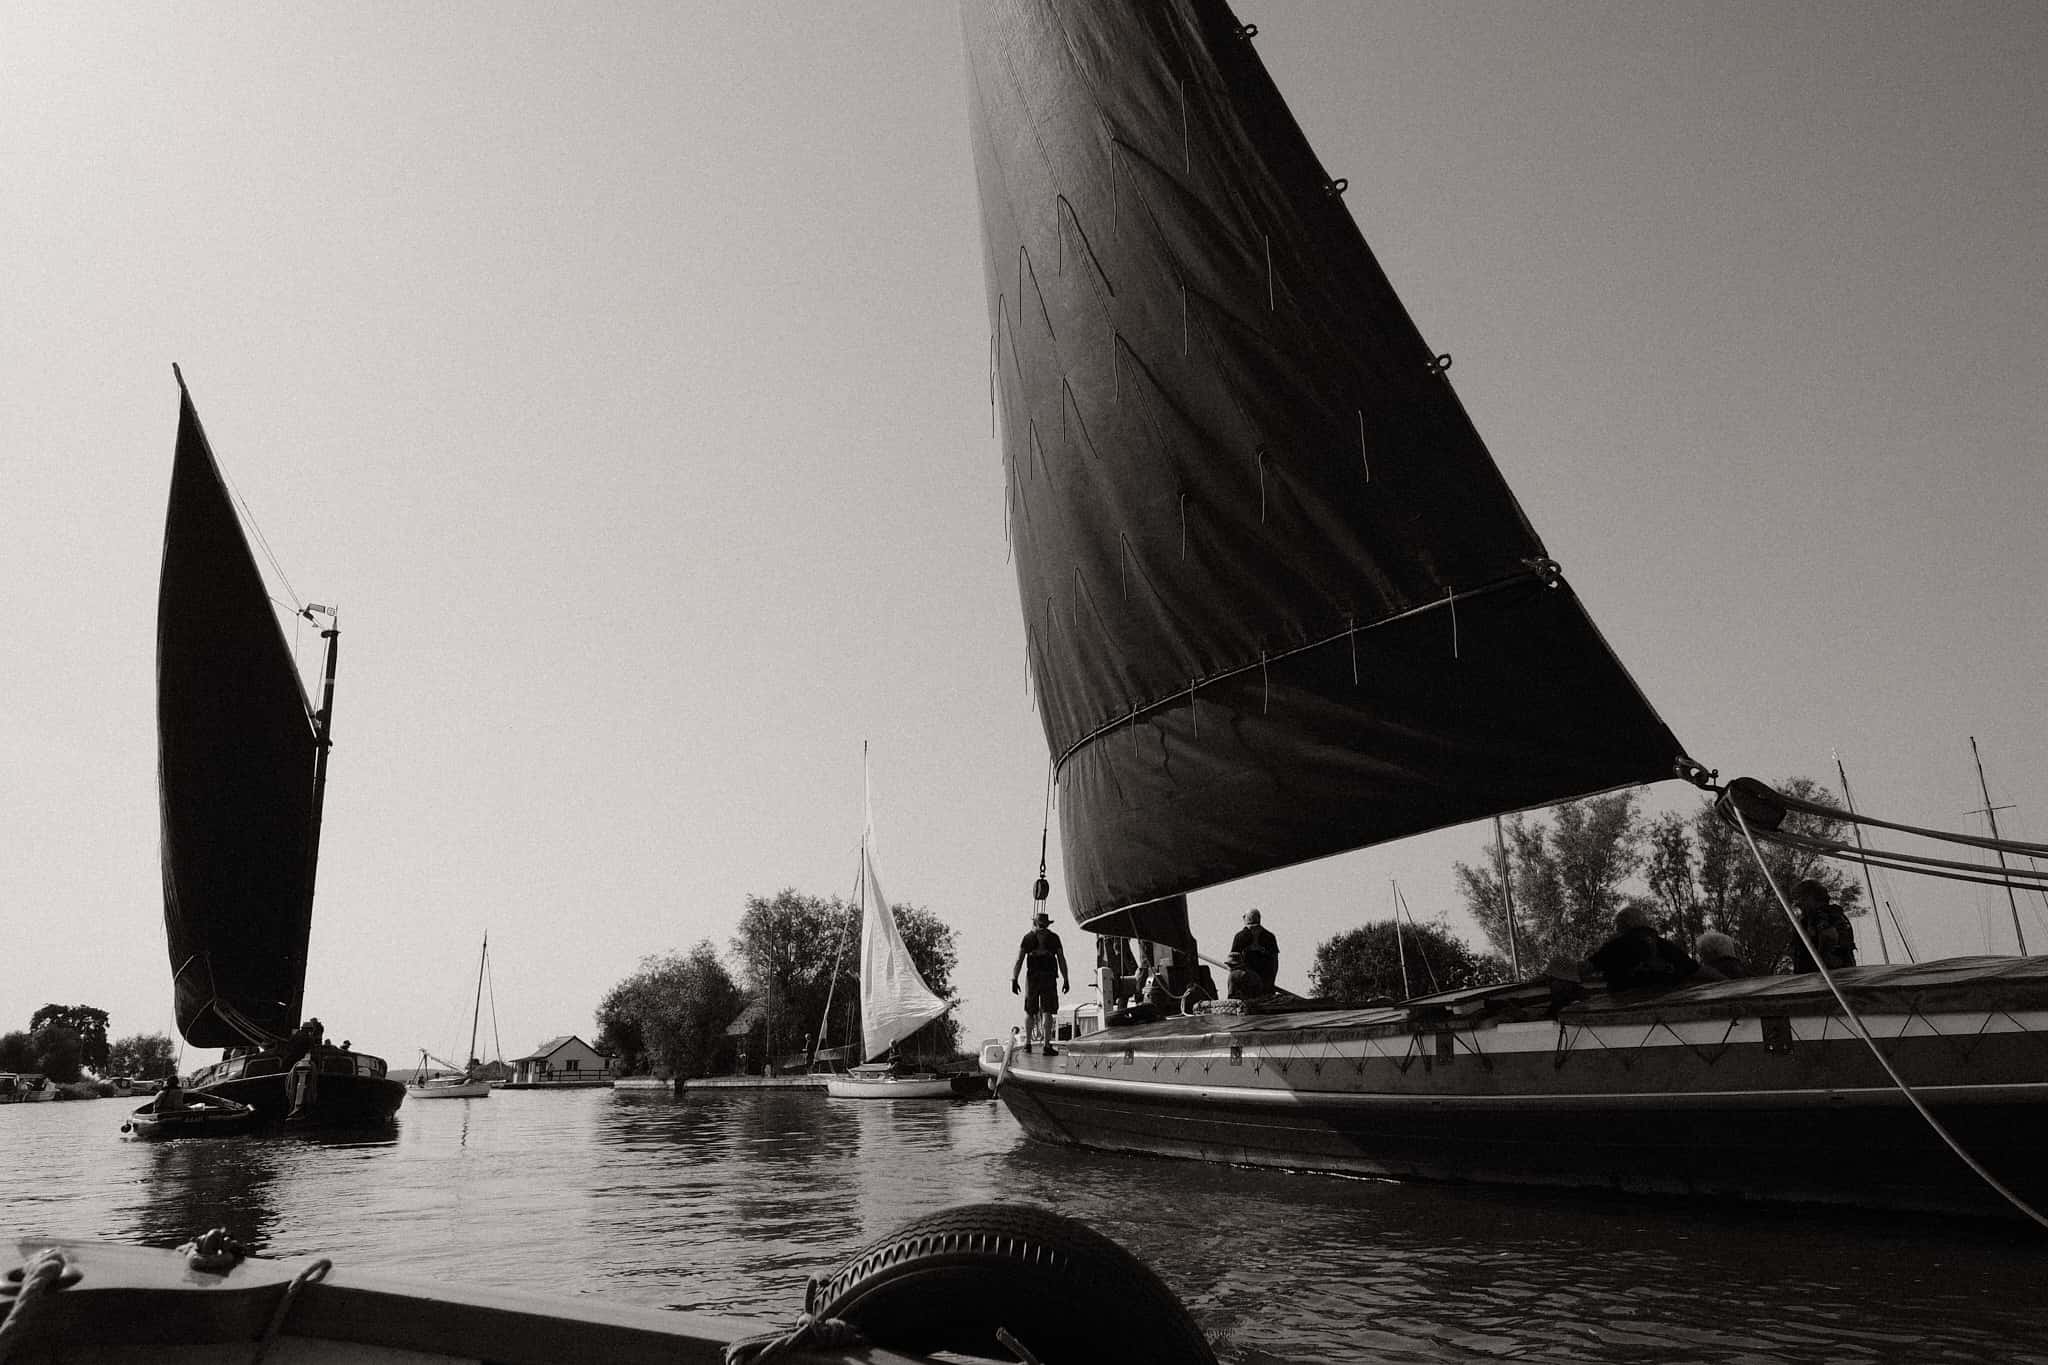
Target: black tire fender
1069 1295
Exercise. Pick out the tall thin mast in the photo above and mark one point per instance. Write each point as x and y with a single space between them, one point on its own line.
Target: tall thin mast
838 956
1507 899
1991 814
323 740
477 1013
1400 943
1876 912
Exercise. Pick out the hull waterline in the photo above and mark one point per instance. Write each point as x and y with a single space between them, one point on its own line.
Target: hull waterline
917 1087
351 1089
1764 1105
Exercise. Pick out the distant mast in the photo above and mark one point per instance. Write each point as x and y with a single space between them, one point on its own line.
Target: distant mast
1990 813
1876 911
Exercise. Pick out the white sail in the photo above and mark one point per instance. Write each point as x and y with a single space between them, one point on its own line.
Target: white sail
895 1002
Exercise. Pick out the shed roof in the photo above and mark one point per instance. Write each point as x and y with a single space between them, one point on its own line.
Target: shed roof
554 1045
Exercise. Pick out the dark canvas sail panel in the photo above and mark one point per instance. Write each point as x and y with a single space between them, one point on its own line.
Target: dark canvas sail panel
235 762
1279 602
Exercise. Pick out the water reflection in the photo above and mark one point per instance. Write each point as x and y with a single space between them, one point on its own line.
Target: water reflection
726 1203
189 1185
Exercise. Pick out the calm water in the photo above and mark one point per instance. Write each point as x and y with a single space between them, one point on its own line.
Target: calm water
724 1203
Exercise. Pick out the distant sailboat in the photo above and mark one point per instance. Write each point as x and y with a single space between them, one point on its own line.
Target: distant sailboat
895 1002
469 1083
241 771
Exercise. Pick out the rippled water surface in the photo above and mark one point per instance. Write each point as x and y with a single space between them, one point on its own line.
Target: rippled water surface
725 1202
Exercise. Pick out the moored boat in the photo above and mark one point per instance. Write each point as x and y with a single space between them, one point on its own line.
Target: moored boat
895 1001
465 1082
242 774
26 1087
881 1081
194 1115
1280 604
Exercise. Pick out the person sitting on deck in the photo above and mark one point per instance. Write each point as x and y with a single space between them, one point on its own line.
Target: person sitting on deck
1246 984
1826 925
1716 952
1638 958
170 1099
1259 949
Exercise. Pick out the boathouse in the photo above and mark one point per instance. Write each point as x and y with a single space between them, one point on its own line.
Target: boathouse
561 1063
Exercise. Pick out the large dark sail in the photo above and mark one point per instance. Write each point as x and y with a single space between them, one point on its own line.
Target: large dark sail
236 751
1279 602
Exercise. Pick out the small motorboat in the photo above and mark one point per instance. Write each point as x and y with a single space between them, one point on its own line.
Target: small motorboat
176 1114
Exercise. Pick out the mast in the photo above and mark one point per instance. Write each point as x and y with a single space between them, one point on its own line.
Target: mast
477 1013
1868 885
1401 944
1991 814
1507 899
838 956
323 740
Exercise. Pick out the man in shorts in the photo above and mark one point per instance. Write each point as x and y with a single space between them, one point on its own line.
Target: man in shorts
1044 963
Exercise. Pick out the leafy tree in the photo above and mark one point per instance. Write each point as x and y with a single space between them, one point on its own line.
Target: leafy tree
59 1052
88 1023
790 945
1571 876
786 944
1670 870
670 1015
1366 963
143 1056
1569 879
17 1052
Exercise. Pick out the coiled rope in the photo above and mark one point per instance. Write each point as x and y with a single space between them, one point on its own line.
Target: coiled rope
809 1333
41 1274
1856 1020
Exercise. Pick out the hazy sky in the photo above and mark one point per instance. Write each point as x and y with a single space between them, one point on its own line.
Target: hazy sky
621 373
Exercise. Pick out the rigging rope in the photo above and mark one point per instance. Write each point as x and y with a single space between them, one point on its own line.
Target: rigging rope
250 518
1856 1020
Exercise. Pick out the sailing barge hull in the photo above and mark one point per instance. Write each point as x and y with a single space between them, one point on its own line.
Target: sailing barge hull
351 1091
1769 1106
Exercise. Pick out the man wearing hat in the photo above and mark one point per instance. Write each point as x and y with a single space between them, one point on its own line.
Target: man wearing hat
1258 950
1044 963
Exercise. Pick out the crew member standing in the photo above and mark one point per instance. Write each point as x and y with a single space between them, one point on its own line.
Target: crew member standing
1044 963
1259 950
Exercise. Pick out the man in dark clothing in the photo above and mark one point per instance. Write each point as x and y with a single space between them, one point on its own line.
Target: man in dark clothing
1259 950
1826 925
1044 963
1636 958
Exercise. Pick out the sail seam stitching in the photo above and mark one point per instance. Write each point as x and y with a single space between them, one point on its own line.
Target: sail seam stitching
1265 660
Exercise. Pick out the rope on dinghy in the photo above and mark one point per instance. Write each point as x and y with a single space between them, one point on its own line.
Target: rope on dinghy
1856 1020
43 1273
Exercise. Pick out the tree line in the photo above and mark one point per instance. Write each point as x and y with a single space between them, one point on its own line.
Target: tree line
64 1042
1572 872
790 953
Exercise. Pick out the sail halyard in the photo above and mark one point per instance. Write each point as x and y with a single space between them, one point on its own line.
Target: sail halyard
1279 601
239 753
